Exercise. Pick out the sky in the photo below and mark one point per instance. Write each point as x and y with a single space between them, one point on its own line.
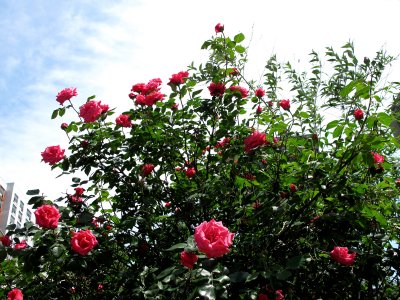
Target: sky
104 47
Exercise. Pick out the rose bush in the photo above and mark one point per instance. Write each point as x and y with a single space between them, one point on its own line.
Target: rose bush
290 181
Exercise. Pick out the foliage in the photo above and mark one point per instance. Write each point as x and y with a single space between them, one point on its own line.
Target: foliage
311 186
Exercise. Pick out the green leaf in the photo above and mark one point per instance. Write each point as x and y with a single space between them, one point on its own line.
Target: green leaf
54 114
239 38
207 291
91 98
385 119
58 250
295 262
348 88
61 112
240 49
338 131
304 115
239 276
76 179
33 192
176 246
283 275
331 124
166 272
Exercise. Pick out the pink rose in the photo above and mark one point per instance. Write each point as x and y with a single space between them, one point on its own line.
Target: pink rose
260 93
190 172
20 245
188 259
47 216
242 91
378 159
15 294
5 240
138 87
53 154
259 110
358 114
83 241
178 79
285 104
216 89
219 28
64 126
123 120
147 169
213 239
66 94
148 94
342 256
91 111
255 140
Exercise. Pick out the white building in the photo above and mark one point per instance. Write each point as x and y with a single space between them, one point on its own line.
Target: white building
14 208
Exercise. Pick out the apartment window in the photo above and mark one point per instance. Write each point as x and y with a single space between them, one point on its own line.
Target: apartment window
15 199
21 206
20 216
14 209
12 220
19 225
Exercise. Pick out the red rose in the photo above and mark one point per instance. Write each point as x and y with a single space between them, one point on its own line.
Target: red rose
100 287
84 144
285 104
147 169
190 172
256 204
378 159
79 191
234 72
123 120
260 93
188 259
259 109
293 187
167 204
20 245
91 111
270 103
358 114
5 240
240 90
175 106
216 89
221 144
255 140
278 296
64 126
83 241
219 28
53 154
178 79
66 94
138 87
342 256
148 94
15 294
47 216
397 181
213 239
75 198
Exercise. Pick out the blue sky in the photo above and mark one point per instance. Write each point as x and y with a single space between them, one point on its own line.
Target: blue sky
103 47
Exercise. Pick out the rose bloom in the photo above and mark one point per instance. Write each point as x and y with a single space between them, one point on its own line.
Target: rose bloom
53 154
79 191
259 109
21 245
378 159
243 92
219 28
285 104
234 72
358 114
83 241
293 187
278 296
66 94
178 79
5 240
147 169
213 239
342 256
47 216
138 87
91 111
15 294
75 198
188 259
255 140
216 89
220 144
190 172
175 106
260 93
123 120
64 126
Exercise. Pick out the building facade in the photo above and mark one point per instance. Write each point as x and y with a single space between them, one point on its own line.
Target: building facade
14 208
